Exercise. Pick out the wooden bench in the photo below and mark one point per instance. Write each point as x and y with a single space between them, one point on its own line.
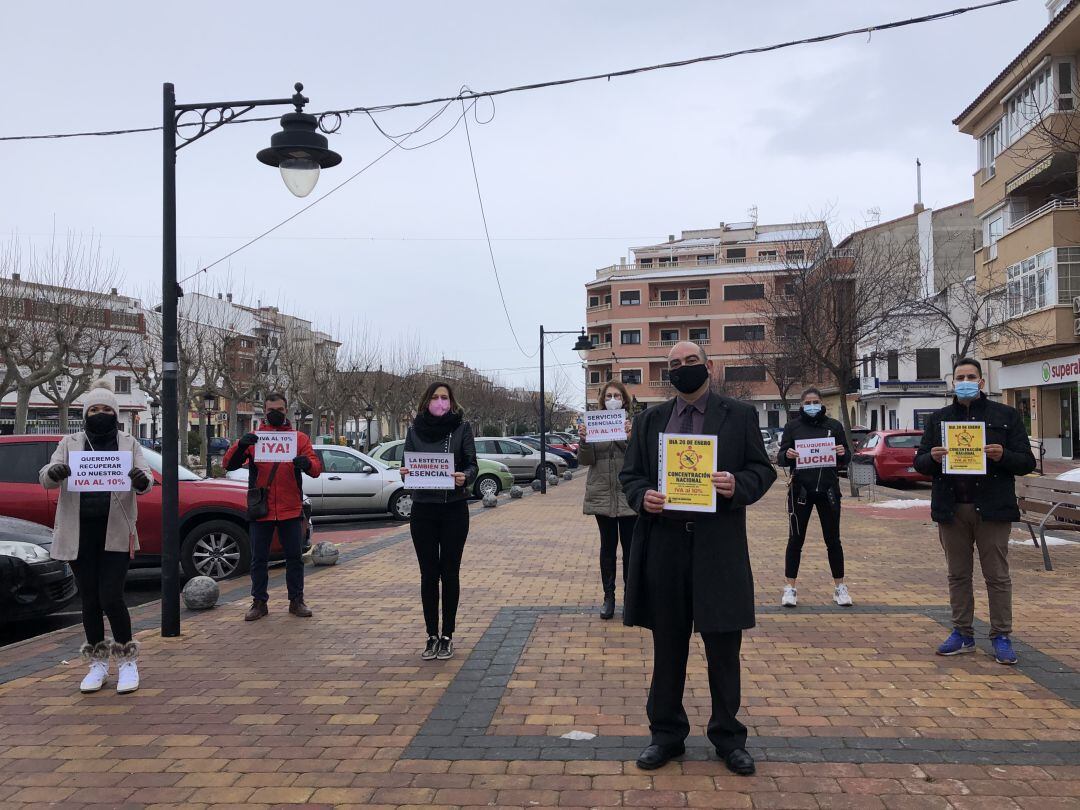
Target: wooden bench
1050 504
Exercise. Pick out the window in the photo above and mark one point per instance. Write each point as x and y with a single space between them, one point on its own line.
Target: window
1065 100
672 261
735 253
1029 104
129 320
608 376
395 453
698 333
607 337
698 294
743 332
594 300
928 364
875 438
631 376
669 295
245 343
767 255
607 298
630 337
893 360
122 385
1029 284
486 447
921 416
743 292
665 375
594 339
990 146
645 262
630 298
790 287
20 463
594 377
909 442
669 334
744 373
1068 273
795 255
708 259
994 227
338 461
514 449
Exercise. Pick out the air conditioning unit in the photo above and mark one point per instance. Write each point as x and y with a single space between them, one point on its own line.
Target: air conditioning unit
1076 326
1076 304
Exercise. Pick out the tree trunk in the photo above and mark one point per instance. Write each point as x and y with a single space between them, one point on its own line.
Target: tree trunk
22 407
182 428
64 408
205 455
234 406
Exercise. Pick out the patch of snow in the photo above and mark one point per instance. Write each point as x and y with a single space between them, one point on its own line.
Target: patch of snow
578 735
906 503
1050 541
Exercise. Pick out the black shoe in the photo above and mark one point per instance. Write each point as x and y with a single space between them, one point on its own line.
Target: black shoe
431 649
657 756
738 762
256 611
446 648
608 610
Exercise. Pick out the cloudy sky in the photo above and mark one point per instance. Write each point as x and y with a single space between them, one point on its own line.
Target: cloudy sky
570 176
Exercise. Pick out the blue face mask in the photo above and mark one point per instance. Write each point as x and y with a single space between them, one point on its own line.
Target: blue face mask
812 410
967 389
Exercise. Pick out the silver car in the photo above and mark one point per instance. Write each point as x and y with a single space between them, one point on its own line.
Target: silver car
351 483
523 461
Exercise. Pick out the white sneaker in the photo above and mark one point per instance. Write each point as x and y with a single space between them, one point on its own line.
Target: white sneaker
95 678
128 679
842 597
790 597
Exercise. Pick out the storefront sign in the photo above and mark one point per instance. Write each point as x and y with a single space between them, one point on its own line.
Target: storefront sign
1046 372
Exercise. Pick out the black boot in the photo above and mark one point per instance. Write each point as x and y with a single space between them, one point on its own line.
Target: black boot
608 610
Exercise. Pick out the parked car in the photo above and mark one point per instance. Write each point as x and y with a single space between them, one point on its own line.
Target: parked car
565 455
558 441
213 511
32 584
892 452
524 462
351 484
772 444
857 436
150 444
218 445
491 478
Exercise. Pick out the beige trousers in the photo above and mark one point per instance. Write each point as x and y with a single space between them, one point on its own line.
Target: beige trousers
959 540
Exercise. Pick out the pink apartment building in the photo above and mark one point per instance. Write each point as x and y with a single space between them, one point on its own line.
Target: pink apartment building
705 286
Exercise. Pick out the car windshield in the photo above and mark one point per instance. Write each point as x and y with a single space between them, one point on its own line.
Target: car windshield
153 458
905 442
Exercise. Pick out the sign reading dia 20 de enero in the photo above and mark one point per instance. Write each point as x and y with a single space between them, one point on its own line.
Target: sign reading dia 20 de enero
1041 372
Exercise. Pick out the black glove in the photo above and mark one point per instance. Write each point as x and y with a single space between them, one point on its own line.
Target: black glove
248 440
58 472
302 463
138 478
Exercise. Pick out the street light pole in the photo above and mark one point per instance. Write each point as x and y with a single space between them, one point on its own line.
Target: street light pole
582 347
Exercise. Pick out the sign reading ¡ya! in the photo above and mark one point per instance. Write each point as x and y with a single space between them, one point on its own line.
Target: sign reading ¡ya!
275 445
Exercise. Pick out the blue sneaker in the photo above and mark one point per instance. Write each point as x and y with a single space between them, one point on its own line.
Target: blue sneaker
1003 650
957 643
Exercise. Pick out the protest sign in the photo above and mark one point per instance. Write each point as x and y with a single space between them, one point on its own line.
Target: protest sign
429 470
99 472
275 445
605 426
966 443
815 453
687 463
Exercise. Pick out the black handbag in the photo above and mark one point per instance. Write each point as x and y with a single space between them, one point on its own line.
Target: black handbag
258 498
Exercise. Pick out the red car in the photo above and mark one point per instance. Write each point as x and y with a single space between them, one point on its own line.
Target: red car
213 512
893 454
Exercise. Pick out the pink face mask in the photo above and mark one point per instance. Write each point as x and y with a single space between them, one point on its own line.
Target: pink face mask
439 407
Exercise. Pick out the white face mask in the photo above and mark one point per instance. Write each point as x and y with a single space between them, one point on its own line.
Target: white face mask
613 403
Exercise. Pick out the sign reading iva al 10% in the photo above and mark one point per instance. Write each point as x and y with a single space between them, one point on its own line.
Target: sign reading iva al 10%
99 472
429 470
275 445
605 426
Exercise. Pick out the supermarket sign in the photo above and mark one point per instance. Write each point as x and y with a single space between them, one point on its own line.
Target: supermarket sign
1046 372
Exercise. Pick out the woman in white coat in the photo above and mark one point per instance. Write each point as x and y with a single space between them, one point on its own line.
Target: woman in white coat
95 531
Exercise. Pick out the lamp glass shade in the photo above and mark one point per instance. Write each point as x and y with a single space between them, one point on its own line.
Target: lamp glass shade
300 175
583 346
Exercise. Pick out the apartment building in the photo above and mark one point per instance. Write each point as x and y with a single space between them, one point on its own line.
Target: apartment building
705 286
1025 124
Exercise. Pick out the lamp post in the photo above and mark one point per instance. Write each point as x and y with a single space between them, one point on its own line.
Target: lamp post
155 409
297 416
368 415
299 152
209 401
582 347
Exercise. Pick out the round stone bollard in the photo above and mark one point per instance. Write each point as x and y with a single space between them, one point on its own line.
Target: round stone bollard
536 485
490 501
568 476
201 593
324 553
553 480
516 492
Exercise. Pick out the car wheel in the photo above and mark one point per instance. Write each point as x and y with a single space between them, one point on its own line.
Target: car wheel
218 549
487 485
401 505
552 469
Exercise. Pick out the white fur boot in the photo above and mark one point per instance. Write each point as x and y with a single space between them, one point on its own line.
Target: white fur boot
98 656
127 655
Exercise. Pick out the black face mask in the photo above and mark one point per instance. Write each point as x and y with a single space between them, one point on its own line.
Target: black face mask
688 379
101 423
275 418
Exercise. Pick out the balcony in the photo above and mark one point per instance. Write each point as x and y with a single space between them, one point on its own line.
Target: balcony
681 302
598 308
874 386
660 384
663 344
598 346
1053 205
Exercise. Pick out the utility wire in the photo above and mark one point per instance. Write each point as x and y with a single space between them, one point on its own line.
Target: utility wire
471 95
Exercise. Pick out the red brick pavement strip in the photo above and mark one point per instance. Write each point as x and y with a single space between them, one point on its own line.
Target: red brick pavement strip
318 713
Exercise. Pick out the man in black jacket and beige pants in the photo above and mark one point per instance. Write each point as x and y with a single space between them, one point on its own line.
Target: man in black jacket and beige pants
977 511
691 570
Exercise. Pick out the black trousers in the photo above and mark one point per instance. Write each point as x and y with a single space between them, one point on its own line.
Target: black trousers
613 533
100 575
668 578
291 535
800 508
439 532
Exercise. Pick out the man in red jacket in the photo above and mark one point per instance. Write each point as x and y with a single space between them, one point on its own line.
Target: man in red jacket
285 513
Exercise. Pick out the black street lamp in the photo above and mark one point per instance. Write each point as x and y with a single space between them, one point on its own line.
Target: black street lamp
299 152
155 410
369 414
582 347
209 403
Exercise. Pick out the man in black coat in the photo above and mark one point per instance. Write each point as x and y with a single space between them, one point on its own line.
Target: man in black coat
691 570
977 511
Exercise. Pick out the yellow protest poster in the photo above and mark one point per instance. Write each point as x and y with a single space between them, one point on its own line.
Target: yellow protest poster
966 443
686 467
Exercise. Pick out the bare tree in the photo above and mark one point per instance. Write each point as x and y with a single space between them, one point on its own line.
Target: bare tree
781 353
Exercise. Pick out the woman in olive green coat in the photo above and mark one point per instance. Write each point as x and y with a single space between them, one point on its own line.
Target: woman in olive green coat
604 496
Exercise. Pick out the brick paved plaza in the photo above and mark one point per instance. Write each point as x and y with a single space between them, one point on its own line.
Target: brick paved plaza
848 708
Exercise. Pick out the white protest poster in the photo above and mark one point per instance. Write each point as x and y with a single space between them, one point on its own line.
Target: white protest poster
275 445
605 426
429 470
99 472
815 453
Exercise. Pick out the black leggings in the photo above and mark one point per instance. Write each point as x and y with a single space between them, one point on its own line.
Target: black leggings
100 575
439 532
613 533
800 509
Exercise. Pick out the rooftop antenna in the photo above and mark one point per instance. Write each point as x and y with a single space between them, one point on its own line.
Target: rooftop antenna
873 216
752 212
918 187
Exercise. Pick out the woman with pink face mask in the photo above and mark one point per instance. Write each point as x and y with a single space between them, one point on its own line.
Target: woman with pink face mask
440 518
